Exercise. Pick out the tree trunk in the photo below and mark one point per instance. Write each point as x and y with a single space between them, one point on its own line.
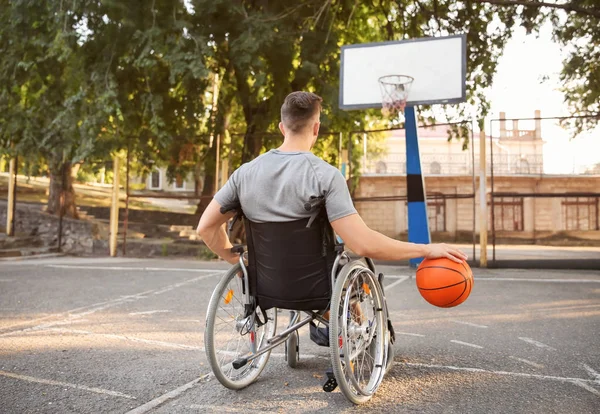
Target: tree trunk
252 144
209 180
221 124
256 126
57 175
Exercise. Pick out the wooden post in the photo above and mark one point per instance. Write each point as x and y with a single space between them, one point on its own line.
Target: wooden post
340 148
126 218
114 210
364 157
482 201
217 156
344 164
11 198
224 171
215 101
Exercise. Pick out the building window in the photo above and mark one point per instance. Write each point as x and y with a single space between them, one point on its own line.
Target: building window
155 180
580 213
381 168
179 183
522 166
436 213
508 214
435 168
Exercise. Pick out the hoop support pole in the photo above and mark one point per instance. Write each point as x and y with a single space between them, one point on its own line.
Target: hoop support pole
418 226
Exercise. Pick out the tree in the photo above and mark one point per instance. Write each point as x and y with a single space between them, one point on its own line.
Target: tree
48 108
579 32
85 80
576 26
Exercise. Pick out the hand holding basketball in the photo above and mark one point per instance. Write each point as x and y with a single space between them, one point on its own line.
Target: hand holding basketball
436 251
443 282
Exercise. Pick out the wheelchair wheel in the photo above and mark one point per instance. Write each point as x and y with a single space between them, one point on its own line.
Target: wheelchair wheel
291 349
229 336
358 332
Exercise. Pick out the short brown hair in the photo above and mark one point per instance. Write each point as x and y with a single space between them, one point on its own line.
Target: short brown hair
298 108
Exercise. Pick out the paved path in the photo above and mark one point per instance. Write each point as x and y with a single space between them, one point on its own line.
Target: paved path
112 335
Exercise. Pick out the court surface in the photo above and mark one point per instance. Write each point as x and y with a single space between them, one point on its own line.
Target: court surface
97 335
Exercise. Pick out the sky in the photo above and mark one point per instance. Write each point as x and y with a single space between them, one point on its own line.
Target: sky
518 90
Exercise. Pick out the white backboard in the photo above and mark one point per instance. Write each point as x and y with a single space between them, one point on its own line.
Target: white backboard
438 65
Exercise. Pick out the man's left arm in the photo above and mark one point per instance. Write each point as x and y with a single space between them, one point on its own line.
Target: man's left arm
212 231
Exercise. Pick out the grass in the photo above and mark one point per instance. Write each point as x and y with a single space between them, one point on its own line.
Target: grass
36 191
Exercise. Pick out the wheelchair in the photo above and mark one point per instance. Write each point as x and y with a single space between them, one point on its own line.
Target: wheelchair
301 267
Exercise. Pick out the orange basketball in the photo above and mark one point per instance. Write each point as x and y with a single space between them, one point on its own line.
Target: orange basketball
443 282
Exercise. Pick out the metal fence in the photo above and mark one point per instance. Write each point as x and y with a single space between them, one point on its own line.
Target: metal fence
544 190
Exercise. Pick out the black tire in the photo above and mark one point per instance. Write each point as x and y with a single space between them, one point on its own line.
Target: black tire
219 351
292 351
353 336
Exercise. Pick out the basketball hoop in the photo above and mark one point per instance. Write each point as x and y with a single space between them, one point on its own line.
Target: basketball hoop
394 93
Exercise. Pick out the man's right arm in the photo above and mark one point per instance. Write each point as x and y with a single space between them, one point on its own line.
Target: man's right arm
367 242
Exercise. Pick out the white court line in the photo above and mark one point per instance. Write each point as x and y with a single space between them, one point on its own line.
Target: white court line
77 316
517 279
587 387
580 382
139 269
142 409
525 361
128 338
186 320
65 384
69 312
466 344
536 343
468 323
222 409
152 312
507 373
408 334
400 280
593 373
7 280
105 305
166 397
158 343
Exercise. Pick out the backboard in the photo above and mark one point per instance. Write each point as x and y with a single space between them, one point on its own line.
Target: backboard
438 65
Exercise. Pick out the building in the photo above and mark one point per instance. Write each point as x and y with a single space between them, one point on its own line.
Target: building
157 180
529 204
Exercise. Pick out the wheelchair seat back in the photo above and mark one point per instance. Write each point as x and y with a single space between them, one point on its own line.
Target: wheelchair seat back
290 263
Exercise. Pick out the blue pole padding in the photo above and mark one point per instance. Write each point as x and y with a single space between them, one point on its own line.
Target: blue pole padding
418 226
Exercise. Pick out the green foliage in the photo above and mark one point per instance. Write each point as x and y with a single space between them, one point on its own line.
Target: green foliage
580 35
81 81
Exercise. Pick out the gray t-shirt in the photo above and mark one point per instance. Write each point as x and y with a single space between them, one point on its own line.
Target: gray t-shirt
275 186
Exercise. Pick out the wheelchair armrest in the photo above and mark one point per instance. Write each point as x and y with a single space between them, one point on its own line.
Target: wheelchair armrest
238 248
231 207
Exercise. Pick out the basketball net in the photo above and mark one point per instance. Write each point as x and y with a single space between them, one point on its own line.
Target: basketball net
394 93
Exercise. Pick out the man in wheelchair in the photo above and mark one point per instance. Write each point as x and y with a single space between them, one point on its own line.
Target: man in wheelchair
292 202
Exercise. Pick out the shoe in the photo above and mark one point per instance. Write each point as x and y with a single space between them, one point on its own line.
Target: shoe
319 336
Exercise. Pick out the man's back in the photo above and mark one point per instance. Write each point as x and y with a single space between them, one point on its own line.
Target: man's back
275 186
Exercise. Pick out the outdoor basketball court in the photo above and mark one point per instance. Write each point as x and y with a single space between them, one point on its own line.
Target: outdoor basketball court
101 335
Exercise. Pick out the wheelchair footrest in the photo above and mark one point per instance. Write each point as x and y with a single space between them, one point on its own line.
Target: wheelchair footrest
240 362
331 383
319 335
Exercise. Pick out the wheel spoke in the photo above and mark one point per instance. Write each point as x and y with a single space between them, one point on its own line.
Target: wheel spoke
227 336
